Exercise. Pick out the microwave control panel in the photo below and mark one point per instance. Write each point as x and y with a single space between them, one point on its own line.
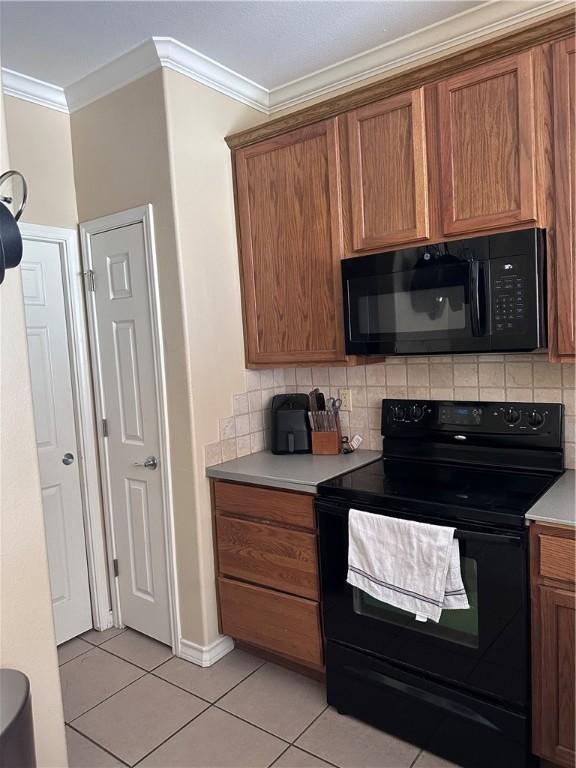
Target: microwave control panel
509 295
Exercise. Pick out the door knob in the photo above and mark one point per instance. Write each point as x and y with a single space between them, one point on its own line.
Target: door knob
68 458
150 463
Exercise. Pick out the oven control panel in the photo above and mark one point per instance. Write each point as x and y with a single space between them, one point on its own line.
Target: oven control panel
460 415
523 416
467 420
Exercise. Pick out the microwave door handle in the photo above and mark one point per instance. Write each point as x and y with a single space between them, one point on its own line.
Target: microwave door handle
476 308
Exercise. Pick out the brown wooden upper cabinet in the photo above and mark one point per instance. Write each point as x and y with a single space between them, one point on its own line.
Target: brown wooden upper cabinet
289 210
563 276
487 139
388 176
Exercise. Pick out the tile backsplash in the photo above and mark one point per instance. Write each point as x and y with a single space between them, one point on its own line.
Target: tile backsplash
523 378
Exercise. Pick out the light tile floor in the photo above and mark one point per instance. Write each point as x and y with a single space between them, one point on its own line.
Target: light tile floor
128 701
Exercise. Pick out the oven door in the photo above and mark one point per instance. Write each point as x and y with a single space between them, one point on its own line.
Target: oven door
422 308
482 649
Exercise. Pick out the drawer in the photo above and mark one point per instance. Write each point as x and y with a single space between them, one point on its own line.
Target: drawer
283 624
557 557
266 554
284 507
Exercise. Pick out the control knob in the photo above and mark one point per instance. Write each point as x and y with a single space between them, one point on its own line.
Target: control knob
399 413
535 419
416 412
512 416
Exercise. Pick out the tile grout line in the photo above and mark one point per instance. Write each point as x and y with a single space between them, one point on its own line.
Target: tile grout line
69 722
310 724
209 706
77 730
76 657
212 703
179 687
96 743
273 763
103 641
307 751
412 764
260 666
131 765
259 727
171 736
134 664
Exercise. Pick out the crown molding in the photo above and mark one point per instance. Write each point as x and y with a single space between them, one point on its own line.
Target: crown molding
30 89
474 26
125 69
181 58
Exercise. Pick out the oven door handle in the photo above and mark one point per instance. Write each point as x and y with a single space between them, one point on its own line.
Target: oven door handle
454 708
489 538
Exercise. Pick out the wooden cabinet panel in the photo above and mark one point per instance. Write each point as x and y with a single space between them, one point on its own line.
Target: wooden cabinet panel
275 557
564 284
289 211
554 704
557 558
274 621
552 551
282 507
487 137
389 185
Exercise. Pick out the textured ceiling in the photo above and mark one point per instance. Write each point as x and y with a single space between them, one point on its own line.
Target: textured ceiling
271 43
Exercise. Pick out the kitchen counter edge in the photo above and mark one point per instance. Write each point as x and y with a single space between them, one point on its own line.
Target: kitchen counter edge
296 472
558 504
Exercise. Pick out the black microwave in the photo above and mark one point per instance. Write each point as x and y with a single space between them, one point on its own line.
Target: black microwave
476 295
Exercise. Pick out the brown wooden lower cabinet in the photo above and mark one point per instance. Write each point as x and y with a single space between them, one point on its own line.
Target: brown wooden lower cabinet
277 622
552 556
271 556
267 564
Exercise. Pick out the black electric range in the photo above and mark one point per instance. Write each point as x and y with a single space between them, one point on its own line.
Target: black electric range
459 688
475 494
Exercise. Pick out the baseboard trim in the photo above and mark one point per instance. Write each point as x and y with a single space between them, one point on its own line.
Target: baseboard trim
205 655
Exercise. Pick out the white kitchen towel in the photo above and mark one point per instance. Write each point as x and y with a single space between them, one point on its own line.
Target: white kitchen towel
410 565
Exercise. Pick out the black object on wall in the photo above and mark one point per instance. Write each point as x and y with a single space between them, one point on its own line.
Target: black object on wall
10 237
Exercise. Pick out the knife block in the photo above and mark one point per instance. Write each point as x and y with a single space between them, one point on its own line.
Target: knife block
326 443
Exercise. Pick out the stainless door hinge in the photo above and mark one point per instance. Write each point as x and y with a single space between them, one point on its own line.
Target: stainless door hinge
115 566
90 284
105 427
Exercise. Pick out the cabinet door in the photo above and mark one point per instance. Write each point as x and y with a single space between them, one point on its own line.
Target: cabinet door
564 277
554 701
268 555
280 623
389 185
487 146
289 209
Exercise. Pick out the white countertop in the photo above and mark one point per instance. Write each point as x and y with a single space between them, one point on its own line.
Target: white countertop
295 472
558 504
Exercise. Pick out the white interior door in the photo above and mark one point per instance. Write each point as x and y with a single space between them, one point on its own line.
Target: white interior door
56 438
123 327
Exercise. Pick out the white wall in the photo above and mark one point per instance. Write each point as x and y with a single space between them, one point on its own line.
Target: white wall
26 629
198 119
160 140
121 161
41 148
